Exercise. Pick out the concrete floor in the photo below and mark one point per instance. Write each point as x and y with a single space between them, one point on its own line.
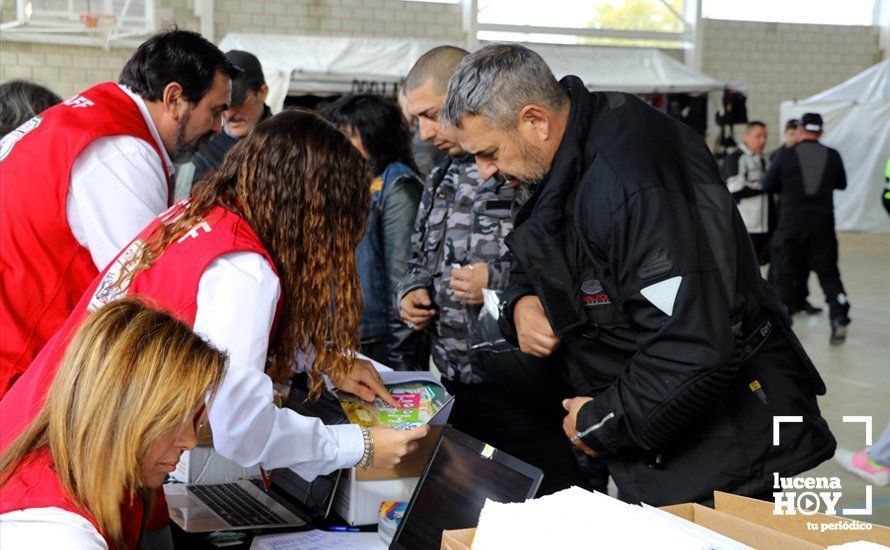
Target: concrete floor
857 374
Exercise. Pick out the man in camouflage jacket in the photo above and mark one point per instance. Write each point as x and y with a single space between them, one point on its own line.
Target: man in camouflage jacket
458 249
462 221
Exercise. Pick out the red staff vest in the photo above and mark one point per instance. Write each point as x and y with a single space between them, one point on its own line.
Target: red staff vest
171 283
43 269
35 485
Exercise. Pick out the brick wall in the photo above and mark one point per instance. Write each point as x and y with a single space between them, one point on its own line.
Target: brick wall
68 69
384 18
774 61
777 61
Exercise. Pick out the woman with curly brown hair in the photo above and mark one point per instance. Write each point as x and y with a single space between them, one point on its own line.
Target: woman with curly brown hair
261 262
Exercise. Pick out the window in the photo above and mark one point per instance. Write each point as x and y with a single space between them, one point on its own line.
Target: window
827 12
618 22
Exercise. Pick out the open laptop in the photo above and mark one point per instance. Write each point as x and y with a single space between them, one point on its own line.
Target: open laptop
461 474
291 501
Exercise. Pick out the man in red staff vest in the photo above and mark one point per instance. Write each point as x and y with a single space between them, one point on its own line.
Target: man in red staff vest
79 181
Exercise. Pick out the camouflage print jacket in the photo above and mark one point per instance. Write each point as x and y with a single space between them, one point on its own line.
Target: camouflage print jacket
461 220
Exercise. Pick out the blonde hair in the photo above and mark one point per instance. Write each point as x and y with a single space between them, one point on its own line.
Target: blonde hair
130 375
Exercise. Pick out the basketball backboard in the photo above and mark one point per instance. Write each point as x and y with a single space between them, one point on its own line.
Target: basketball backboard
76 21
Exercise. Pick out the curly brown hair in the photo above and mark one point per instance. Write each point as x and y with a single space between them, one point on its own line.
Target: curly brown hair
303 188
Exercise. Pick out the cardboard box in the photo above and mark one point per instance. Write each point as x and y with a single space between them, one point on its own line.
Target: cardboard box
725 524
458 539
738 529
360 492
745 520
830 529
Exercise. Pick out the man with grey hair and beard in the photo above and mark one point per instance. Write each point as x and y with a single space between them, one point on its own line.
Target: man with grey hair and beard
458 252
631 258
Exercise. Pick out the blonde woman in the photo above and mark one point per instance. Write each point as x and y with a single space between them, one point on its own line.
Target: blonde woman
119 413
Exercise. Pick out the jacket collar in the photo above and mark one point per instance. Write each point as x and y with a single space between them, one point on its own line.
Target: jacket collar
569 161
538 238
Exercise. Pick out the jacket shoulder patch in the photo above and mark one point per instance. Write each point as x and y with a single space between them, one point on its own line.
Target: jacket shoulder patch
663 295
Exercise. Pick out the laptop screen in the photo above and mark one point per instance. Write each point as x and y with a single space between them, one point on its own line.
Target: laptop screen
461 475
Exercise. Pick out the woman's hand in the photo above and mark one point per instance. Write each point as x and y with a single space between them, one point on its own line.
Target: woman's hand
391 446
364 381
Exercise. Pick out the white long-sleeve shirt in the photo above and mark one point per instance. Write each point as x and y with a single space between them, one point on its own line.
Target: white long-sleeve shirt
237 297
48 528
117 187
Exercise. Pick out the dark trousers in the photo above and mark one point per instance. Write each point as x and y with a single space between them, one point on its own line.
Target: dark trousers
761 243
530 430
803 244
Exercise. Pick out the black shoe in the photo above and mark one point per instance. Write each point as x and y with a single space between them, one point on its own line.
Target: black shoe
810 309
838 330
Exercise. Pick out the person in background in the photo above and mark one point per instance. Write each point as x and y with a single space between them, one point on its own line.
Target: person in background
789 138
885 195
77 475
871 464
801 303
742 171
21 100
248 108
376 128
111 150
426 155
807 176
503 397
632 261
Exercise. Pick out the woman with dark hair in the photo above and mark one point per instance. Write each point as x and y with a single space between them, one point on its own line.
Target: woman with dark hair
261 262
20 100
376 128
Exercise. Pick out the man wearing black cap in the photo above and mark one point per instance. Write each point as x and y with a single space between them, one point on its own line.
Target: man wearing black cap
807 175
248 108
801 302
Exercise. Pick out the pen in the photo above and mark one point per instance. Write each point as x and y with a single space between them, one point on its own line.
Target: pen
343 529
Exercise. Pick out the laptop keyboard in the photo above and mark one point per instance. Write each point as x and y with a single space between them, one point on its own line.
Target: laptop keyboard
235 505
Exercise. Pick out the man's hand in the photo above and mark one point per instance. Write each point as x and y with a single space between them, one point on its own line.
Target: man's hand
468 282
363 381
533 328
572 406
416 309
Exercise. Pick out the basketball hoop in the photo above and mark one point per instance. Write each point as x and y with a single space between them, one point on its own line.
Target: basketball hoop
97 21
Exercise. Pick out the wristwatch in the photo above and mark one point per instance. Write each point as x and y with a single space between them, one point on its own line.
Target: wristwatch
368 454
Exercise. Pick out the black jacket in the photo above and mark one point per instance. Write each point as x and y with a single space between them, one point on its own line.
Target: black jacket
210 155
644 268
806 175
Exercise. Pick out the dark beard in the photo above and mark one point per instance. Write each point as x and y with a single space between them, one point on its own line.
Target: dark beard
182 150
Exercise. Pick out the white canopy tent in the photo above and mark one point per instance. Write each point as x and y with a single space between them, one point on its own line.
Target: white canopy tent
857 124
296 65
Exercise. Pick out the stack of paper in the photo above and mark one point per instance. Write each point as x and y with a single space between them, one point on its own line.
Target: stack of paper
575 518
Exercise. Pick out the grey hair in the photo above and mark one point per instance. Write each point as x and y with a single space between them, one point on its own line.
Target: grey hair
20 100
496 82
